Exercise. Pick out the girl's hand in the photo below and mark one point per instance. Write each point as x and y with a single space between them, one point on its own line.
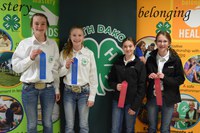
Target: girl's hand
57 97
68 63
119 86
131 112
35 53
90 103
160 75
153 76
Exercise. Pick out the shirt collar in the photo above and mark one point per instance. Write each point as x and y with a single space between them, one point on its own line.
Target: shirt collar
82 51
164 58
35 41
133 58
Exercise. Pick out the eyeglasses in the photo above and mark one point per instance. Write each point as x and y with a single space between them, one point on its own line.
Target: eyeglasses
160 41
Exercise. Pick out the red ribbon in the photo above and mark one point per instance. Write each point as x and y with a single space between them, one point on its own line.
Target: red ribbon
158 91
122 96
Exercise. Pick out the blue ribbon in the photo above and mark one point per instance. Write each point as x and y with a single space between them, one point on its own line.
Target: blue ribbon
42 65
74 72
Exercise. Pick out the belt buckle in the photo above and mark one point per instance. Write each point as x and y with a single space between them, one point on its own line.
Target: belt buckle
76 89
40 86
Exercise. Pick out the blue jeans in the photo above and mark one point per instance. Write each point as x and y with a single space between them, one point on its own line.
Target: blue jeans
30 97
71 99
166 116
118 115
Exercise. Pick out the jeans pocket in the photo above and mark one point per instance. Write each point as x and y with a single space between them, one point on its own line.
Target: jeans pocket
26 87
67 90
86 90
51 87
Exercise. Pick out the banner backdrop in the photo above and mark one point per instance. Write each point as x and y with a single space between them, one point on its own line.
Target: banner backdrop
180 18
106 23
15 26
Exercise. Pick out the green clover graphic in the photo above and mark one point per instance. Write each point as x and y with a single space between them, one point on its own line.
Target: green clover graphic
163 27
11 22
105 54
182 109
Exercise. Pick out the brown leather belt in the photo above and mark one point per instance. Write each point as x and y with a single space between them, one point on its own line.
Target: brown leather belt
77 88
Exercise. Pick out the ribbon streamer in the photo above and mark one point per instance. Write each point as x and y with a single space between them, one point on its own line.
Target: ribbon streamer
158 91
74 71
122 96
42 65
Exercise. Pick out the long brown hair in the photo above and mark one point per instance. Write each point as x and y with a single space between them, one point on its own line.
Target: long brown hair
167 35
140 44
67 50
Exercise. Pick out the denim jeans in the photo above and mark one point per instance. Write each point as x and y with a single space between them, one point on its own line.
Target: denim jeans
30 97
118 115
70 100
166 116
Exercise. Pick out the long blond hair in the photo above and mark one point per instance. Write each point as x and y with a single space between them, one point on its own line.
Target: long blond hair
67 49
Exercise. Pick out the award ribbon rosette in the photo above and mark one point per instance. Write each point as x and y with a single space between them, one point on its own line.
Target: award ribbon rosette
74 71
122 96
158 91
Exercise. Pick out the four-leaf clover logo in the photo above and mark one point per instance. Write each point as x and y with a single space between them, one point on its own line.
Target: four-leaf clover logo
105 54
11 22
182 109
163 27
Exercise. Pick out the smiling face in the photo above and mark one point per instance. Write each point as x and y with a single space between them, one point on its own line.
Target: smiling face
77 37
128 48
191 105
143 48
175 107
163 44
39 26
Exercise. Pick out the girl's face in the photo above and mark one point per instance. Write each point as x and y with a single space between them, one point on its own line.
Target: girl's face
128 48
192 60
162 44
143 48
77 37
39 25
